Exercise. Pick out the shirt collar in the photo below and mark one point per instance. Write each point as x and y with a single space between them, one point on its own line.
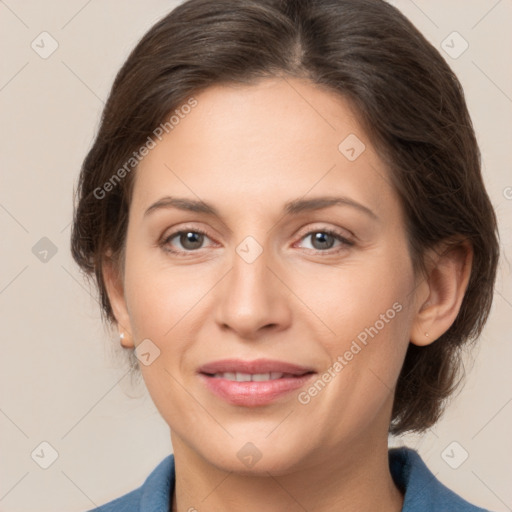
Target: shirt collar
422 491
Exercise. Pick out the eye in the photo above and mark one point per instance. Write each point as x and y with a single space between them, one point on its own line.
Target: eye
190 239
323 240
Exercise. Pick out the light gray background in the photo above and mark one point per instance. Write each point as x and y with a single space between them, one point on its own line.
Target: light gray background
59 379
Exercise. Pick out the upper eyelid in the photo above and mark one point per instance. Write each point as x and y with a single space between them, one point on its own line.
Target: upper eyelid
304 231
334 231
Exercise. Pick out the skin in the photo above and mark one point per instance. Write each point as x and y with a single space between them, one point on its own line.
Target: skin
247 150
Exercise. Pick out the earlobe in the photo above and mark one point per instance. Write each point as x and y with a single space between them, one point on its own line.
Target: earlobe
125 340
115 291
446 283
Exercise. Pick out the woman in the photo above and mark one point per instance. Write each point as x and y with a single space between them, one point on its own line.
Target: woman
285 216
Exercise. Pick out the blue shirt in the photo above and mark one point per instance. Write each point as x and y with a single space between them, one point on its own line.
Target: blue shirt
422 491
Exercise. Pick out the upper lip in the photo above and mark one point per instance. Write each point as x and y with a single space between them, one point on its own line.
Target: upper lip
254 366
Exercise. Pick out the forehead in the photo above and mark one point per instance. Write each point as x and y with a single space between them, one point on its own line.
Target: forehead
263 142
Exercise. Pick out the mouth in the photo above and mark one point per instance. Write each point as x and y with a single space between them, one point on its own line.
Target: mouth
252 377
253 383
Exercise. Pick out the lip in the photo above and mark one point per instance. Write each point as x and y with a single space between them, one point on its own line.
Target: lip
253 393
255 366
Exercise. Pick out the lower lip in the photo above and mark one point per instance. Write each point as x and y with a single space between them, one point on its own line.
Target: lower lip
253 394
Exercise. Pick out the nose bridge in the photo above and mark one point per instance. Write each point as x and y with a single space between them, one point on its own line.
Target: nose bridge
251 297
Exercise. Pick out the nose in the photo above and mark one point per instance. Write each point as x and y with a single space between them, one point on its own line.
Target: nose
252 299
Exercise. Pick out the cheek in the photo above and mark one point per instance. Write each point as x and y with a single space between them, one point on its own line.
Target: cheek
161 301
366 307
366 295
159 297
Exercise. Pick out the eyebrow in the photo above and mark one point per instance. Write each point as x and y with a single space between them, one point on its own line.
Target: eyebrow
290 208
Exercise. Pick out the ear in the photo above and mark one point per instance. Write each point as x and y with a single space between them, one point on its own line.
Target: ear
443 289
113 279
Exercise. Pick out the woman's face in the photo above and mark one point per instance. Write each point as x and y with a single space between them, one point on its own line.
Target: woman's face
277 275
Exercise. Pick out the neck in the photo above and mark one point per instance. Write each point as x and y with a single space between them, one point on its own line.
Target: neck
356 479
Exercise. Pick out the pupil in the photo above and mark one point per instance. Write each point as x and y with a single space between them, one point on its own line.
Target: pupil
191 238
196 238
320 237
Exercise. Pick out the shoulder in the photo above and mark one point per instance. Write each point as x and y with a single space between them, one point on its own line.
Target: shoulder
153 495
423 492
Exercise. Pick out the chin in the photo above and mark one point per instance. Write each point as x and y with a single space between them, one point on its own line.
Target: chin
257 459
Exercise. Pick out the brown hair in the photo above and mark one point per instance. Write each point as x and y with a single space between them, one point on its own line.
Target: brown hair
408 99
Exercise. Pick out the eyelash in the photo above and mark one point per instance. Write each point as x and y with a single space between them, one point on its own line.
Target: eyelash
328 231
